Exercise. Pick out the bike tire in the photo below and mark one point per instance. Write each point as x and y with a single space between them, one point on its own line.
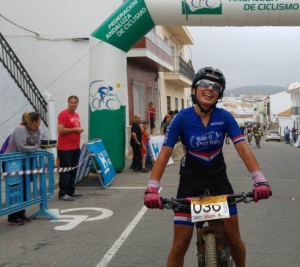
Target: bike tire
211 259
229 259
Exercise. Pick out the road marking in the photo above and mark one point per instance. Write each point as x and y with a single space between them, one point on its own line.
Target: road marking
119 242
74 220
118 187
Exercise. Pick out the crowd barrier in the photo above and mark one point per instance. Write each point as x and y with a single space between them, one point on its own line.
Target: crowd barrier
28 180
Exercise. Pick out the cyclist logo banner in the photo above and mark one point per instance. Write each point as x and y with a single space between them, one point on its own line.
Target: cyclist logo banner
104 97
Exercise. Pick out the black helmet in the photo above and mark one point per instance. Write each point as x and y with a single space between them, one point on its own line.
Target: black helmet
211 74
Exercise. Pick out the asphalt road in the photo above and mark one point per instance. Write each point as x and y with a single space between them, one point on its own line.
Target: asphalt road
131 235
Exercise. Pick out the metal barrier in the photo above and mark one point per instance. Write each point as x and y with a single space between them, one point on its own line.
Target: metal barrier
29 180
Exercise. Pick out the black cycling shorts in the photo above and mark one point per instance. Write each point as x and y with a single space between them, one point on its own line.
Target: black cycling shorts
195 185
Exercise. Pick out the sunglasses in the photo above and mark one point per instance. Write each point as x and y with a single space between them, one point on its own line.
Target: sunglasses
207 83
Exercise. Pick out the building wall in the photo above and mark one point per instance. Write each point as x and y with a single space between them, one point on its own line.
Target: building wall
278 103
55 59
146 77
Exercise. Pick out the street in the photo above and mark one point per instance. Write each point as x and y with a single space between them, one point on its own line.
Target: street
111 227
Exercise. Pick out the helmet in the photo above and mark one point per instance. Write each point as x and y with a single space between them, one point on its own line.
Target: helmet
211 74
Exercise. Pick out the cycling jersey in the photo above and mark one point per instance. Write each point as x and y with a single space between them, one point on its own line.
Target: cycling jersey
202 143
203 166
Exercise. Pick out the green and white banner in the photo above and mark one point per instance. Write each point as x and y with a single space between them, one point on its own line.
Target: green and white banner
225 12
126 26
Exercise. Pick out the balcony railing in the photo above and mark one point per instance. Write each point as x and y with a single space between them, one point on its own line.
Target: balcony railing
22 78
182 67
295 110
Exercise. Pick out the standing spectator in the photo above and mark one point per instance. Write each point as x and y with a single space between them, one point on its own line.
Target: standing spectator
294 135
227 139
68 148
165 125
145 138
152 118
264 128
25 138
287 134
135 142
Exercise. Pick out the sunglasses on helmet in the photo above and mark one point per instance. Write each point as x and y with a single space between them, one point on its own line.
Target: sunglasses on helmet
207 83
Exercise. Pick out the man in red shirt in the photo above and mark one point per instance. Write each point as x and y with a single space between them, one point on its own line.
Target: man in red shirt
68 148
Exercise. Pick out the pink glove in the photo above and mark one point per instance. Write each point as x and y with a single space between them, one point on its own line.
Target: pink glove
152 199
261 191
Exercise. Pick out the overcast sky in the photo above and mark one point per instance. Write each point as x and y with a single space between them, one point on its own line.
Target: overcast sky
249 55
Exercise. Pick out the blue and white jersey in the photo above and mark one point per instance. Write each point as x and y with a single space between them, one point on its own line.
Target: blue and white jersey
203 143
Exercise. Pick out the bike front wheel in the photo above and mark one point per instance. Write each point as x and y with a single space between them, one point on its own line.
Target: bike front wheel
211 259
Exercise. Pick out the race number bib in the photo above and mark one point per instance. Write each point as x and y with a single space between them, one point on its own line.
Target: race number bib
209 208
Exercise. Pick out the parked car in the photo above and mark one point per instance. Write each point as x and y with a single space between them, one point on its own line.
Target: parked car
273 135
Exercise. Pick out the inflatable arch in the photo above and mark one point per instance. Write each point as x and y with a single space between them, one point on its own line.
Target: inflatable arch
131 22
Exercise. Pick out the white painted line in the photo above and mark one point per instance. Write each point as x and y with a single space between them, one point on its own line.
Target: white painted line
115 187
129 187
119 242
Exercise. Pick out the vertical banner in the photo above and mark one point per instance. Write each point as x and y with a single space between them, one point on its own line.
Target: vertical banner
126 26
108 77
155 144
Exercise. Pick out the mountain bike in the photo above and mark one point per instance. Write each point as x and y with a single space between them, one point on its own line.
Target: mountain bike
249 138
208 212
257 139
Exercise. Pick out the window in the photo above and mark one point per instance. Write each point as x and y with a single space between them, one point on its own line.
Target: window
168 104
139 99
150 93
182 103
176 103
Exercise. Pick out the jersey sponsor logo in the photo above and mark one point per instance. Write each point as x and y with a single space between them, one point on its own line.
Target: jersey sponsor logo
203 141
217 123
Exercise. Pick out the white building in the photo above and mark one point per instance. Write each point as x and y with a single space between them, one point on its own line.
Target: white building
294 91
278 103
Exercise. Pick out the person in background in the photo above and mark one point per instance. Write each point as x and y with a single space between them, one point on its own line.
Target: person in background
227 139
136 142
242 127
152 117
145 138
287 135
68 148
165 125
25 138
169 114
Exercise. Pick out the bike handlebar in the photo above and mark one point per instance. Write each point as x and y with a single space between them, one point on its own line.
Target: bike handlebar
185 202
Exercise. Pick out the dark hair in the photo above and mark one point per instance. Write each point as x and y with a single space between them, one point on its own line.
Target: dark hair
73 96
145 122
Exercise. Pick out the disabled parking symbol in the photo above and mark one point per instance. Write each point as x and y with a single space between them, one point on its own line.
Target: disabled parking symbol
74 220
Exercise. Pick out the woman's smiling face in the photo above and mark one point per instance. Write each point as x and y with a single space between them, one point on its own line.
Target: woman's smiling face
207 96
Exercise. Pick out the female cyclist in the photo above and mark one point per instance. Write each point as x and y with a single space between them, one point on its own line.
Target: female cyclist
202 129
